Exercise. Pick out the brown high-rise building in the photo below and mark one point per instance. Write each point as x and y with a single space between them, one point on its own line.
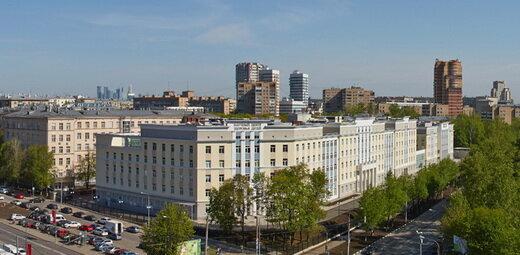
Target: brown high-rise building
447 85
258 97
335 99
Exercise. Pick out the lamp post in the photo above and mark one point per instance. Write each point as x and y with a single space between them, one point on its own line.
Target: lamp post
207 234
148 206
421 237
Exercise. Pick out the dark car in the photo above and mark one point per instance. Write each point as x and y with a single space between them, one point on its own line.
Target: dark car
62 223
34 208
133 229
79 214
114 236
37 200
66 210
25 205
90 217
44 211
52 206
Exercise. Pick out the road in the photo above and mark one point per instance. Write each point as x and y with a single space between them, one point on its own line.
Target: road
9 235
406 240
345 206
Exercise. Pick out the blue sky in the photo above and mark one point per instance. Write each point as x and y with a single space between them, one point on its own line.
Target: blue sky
389 46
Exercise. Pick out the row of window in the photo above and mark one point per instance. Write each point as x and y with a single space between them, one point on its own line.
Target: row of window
67 138
67 149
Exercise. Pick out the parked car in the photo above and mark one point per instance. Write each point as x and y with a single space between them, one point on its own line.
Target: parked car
114 236
62 223
90 217
110 249
29 223
87 228
52 206
34 208
103 241
16 216
2 197
66 210
16 202
103 220
94 240
44 211
100 232
18 195
121 251
62 232
72 224
4 190
133 229
101 246
79 214
25 205
42 226
37 200
50 229
13 249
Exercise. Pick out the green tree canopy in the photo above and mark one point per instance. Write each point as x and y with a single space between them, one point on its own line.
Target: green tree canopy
37 166
167 231
86 169
11 157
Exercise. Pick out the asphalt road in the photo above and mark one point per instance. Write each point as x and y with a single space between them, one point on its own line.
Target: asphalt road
9 235
406 240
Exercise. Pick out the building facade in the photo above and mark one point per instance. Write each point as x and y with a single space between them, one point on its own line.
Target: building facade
71 134
248 72
258 98
436 138
299 87
182 163
187 99
335 99
447 85
289 105
501 92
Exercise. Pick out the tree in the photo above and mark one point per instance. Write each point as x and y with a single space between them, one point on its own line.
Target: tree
355 109
395 195
167 231
86 169
231 203
11 156
468 130
295 197
373 206
260 183
37 166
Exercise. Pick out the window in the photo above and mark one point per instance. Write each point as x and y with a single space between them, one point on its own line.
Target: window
257 163
145 146
297 147
285 148
94 124
181 190
208 177
208 192
60 126
154 186
78 136
136 158
181 148
191 191
87 124
248 149
191 163
248 163
154 160
172 189
60 138
163 147
67 161
60 161
154 146
67 138
181 163
87 136
137 183
221 149
78 125
60 150
221 163
191 149
53 149
172 162
208 149
163 188
172 147
67 149
273 162
53 138
208 163
164 161
238 149
257 148
238 163
122 156
53 126
221 178
102 124
145 159
129 157
285 162
273 148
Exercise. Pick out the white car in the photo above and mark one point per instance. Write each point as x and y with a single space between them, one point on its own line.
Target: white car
103 220
2 197
72 224
16 202
16 216
100 232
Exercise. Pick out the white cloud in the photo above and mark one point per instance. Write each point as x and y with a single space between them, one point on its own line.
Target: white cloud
239 34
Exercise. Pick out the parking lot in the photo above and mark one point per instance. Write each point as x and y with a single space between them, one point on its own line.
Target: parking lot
71 235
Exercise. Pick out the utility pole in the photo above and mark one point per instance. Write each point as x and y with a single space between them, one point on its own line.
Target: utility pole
258 250
207 234
348 236
405 212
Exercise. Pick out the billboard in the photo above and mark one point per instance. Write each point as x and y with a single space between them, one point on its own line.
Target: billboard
191 247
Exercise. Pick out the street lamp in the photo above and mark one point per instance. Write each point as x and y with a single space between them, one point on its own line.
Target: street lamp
148 206
421 237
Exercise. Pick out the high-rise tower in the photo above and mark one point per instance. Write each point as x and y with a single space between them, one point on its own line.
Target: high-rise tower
247 72
447 85
299 86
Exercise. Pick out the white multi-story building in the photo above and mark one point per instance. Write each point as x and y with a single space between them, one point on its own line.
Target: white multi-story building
181 163
299 87
436 139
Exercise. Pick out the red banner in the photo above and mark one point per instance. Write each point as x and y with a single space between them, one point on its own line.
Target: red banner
54 217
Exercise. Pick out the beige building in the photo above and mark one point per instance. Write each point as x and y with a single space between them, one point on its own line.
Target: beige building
187 99
258 98
71 134
181 163
335 99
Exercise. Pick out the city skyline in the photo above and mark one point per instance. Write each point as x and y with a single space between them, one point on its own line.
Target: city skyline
61 48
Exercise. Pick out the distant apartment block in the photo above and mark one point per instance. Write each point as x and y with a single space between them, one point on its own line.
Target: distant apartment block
71 134
182 163
299 87
436 139
106 93
248 72
447 85
501 92
258 97
187 99
335 99
289 105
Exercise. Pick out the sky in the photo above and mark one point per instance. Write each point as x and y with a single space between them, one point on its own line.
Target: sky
70 47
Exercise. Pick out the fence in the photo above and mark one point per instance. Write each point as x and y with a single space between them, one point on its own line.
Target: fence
114 212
